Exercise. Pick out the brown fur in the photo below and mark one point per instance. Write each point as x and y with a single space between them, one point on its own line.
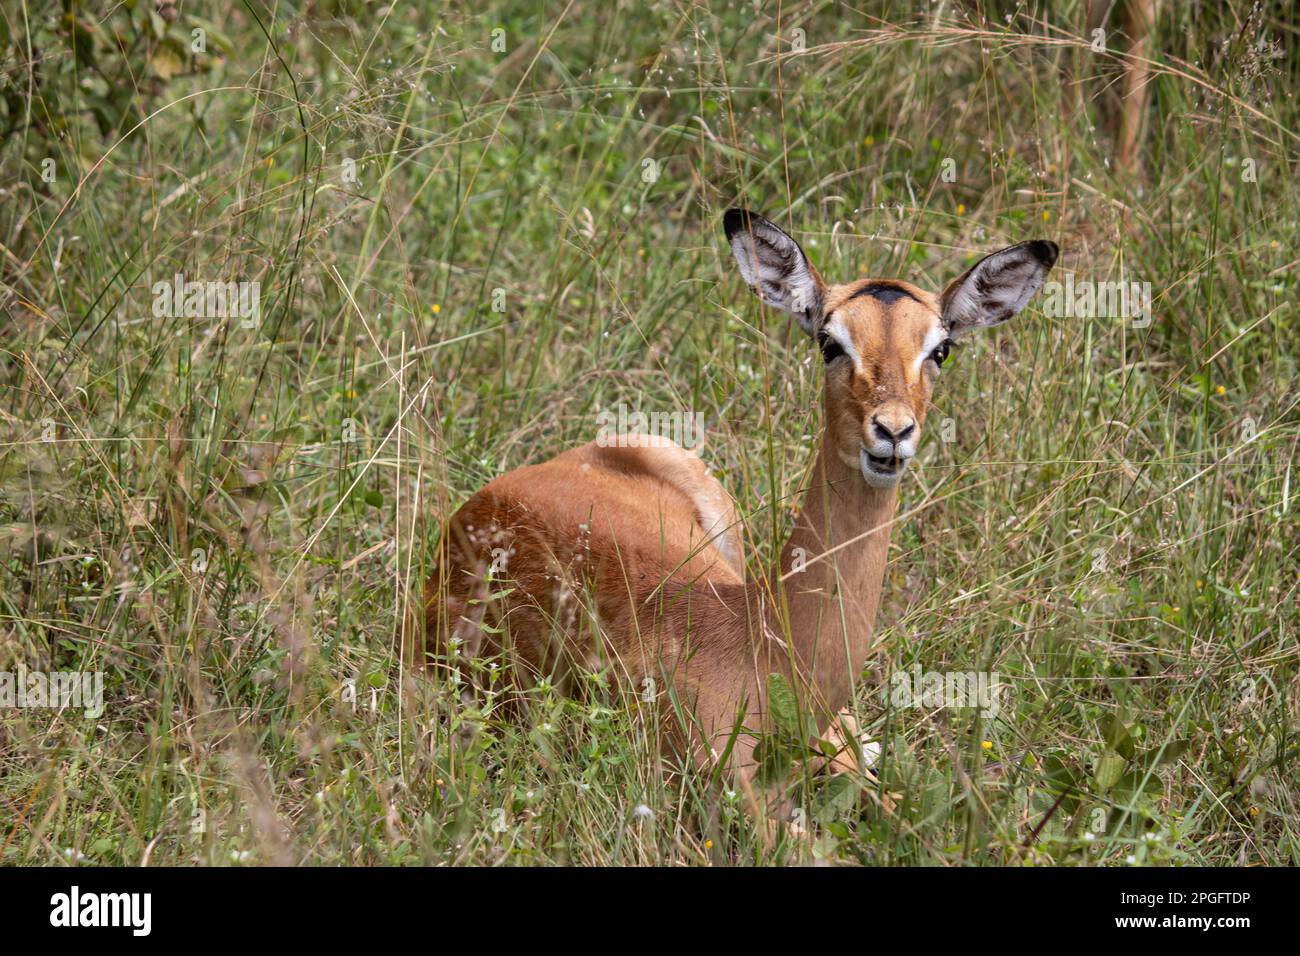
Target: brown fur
629 558
888 338
1124 112
644 590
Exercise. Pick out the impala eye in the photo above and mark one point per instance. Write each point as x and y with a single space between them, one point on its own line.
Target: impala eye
831 350
940 354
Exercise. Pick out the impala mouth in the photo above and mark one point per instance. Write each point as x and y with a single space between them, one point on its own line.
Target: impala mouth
881 472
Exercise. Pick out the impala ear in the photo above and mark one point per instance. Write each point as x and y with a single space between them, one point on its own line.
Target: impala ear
773 265
996 287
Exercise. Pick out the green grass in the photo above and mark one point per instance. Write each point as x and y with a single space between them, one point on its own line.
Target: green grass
1098 532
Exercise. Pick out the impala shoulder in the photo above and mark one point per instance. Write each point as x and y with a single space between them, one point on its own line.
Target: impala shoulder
664 460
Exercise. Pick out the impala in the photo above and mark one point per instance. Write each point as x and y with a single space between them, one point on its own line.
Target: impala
628 554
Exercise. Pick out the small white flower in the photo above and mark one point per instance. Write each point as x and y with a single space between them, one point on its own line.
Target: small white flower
642 811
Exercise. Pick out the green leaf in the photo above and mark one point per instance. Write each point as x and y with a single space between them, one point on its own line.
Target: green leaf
543 745
774 761
783 705
165 63
1135 788
836 797
1057 772
839 829
1117 736
374 499
1172 751
1061 779
1108 771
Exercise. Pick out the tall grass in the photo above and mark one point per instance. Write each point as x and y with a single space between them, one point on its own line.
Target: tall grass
231 522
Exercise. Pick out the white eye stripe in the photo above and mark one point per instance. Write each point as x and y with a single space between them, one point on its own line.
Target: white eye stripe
933 339
834 329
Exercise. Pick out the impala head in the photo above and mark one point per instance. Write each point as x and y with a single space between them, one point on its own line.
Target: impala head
883 340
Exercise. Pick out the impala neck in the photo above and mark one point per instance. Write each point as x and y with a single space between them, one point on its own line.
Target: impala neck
831 604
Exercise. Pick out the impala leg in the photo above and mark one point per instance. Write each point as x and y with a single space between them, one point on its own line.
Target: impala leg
1140 23
844 734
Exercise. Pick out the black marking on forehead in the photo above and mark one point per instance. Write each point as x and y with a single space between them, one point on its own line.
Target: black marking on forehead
886 292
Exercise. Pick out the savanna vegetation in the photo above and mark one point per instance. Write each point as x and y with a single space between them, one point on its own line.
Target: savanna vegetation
475 226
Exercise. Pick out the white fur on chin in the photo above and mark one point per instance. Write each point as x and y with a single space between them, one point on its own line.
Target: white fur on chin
876 480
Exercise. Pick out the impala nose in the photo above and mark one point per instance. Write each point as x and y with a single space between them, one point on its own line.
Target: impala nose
895 431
